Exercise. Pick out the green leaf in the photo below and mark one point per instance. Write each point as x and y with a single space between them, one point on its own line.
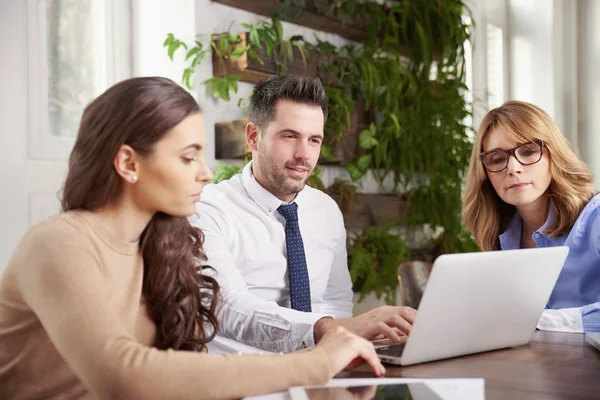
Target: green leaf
364 162
278 28
326 154
238 53
253 54
173 47
186 78
242 103
170 38
269 44
197 60
380 90
254 38
355 173
234 38
232 84
396 125
226 171
192 52
366 139
289 51
223 44
303 52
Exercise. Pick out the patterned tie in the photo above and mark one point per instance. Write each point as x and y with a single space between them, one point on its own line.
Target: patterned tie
297 269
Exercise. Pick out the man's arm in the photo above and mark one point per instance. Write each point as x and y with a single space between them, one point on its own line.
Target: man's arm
385 321
337 300
243 316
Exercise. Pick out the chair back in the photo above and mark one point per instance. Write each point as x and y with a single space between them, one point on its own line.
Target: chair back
412 278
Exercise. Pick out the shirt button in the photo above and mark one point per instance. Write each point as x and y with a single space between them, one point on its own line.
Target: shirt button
270 210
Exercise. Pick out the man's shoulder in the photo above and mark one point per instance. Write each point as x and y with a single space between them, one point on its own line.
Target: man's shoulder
223 191
316 197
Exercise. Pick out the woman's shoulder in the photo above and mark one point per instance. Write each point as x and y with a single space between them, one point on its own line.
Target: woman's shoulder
51 242
65 228
589 218
591 209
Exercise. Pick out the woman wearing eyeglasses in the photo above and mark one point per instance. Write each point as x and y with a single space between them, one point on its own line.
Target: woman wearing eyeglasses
525 188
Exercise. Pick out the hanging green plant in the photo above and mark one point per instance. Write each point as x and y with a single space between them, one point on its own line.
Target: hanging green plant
265 37
225 172
374 259
397 111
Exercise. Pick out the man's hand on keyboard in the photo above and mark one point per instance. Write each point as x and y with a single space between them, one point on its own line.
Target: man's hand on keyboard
391 322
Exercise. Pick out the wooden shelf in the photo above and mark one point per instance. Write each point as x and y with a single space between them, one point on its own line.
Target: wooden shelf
230 140
367 210
309 17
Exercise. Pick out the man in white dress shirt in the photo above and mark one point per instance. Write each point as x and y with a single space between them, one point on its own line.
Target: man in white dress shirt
245 234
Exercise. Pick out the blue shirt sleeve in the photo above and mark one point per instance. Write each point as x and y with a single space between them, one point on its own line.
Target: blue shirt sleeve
590 316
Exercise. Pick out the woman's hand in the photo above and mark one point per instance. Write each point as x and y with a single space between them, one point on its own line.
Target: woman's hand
346 350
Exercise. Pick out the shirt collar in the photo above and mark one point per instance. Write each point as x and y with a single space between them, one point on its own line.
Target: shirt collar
557 240
511 237
261 196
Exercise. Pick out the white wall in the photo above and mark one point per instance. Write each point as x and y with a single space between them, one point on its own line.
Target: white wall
484 12
589 14
543 59
13 126
152 20
532 69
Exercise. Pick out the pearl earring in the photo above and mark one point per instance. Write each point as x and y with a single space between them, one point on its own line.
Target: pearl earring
134 178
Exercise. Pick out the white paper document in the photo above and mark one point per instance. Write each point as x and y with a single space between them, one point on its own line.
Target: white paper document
446 389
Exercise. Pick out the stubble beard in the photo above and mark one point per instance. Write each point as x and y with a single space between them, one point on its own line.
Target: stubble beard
280 184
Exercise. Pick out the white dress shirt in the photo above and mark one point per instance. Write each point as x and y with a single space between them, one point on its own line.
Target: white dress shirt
245 244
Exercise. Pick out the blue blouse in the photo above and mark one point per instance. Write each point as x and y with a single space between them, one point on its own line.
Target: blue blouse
578 284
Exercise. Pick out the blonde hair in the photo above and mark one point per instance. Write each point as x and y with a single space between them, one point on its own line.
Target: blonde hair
571 188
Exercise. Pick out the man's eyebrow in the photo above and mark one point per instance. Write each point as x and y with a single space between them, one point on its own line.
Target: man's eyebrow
320 136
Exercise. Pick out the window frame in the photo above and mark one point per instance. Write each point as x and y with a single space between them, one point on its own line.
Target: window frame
42 144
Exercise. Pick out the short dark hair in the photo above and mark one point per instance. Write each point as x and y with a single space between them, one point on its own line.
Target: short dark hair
299 89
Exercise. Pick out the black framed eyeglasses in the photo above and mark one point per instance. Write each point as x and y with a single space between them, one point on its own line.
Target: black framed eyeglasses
526 154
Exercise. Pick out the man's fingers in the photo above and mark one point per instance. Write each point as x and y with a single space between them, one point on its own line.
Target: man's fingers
409 314
389 332
396 321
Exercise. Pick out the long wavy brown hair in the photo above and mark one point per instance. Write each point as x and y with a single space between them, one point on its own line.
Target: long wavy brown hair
485 214
138 112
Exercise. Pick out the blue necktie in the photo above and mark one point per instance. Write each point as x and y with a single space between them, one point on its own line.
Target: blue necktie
297 269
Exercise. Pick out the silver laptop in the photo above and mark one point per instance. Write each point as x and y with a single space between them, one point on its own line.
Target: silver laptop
593 339
476 302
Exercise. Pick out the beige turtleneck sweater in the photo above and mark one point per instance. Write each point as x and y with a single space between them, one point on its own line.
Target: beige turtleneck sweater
73 324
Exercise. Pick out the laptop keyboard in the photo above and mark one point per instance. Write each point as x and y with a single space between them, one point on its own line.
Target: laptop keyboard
394 350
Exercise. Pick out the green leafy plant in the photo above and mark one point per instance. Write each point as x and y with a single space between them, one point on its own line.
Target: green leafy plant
314 180
266 37
344 192
408 76
226 171
374 259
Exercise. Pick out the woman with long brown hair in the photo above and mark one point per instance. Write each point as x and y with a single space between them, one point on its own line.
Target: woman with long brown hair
526 187
108 300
